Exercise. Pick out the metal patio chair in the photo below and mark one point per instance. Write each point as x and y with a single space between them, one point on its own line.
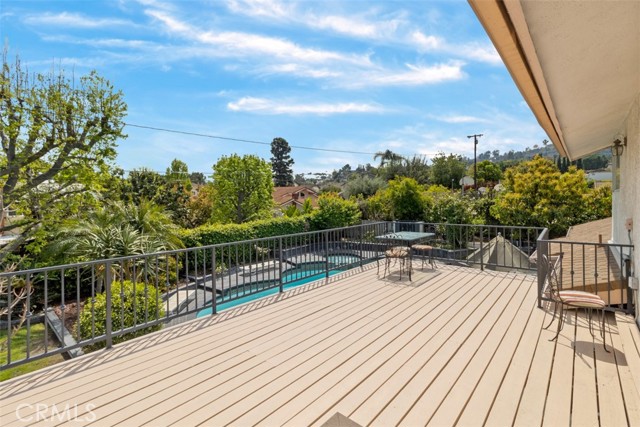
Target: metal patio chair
572 299
396 254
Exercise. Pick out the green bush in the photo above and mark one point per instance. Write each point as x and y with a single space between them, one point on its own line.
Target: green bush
407 199
214 234
223 233
133 302
334 212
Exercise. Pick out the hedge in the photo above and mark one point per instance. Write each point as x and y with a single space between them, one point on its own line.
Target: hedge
224 233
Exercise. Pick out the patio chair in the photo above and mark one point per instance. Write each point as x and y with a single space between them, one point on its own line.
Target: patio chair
426 250
572 299
393 253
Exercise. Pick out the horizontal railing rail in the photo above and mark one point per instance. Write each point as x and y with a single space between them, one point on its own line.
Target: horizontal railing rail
599 268
497 247
103 302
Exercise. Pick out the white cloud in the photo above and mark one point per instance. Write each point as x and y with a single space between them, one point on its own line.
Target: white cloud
272 9
458 119
415 75
424 42
241 44
112 43
75 20
479 52
352 25
474 51
300 70
269 106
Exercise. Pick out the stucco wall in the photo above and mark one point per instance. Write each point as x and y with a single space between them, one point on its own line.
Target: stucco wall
626 201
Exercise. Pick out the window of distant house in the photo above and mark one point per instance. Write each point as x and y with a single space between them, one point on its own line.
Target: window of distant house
301 194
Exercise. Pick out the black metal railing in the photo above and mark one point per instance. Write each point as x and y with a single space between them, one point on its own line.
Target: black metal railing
95 304
599 268
496 247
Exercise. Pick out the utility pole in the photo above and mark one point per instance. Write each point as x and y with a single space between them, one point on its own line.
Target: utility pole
475 165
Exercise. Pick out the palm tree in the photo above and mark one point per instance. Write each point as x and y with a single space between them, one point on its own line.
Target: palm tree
118 230
387 157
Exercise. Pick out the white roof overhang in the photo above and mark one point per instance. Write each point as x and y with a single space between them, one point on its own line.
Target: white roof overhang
576 63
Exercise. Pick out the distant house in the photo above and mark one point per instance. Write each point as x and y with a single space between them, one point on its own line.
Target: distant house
287 196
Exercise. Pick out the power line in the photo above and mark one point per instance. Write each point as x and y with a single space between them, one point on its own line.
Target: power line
301 147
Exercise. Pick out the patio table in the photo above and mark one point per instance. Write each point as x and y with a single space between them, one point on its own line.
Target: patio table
407 237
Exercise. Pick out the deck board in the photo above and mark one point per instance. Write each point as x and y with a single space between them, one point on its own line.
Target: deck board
454 347
584 409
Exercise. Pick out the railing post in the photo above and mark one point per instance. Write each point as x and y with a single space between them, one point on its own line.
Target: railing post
214 286
108 320
481 248
281 288
326 254
541 250
361 243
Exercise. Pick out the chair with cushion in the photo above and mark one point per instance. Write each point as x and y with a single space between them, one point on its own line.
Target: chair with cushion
425 250
395 254
571 299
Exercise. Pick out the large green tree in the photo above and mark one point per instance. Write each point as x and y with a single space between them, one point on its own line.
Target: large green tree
487 172
58 138
334 212
175 194
536 193
281 163
178 171
446 170
387 157
243 188
406 199
143 184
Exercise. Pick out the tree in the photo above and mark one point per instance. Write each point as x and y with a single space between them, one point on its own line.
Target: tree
387 157
281 163
363 186
406 199
116 230
487 172
334 212
58 137
243 187
537 194
445 169
178 171
197 178
200 206
175 194
143 184
416 167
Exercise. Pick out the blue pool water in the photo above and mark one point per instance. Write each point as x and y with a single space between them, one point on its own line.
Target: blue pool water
295 277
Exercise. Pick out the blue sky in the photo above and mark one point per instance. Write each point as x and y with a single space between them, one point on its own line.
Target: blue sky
413 77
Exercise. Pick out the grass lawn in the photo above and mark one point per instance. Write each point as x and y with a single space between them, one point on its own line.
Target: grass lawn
19 351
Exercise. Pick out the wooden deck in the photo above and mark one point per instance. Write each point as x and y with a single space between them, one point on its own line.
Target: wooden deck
454 347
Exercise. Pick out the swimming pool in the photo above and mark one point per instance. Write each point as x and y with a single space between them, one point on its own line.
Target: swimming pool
343 259
299 277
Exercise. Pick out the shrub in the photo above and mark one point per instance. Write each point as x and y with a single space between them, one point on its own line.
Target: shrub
334 212
223 233
134 303
406 199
